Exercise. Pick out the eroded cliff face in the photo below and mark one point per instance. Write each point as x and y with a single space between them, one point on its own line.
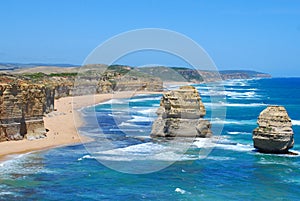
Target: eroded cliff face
101 85
133 83
181 114
22 106
25 99
274 133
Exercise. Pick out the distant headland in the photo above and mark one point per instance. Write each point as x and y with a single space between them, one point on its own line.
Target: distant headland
163 72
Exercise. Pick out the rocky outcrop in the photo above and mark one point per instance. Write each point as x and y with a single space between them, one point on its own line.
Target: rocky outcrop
181 114
22 107
274 133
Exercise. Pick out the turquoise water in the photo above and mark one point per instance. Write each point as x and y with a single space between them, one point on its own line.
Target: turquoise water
233 170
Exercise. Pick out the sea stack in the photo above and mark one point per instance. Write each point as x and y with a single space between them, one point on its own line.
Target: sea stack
274 133
181 114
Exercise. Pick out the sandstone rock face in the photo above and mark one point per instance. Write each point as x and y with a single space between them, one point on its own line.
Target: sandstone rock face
181 114
58 86
22 107
133 83
274 133
50 96
102 85
24 99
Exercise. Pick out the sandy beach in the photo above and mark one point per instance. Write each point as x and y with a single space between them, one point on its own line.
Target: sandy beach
62 124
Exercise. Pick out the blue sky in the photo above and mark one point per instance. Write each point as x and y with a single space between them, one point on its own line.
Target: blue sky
261 35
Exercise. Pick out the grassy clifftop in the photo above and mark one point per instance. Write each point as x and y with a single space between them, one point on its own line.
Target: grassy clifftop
112 72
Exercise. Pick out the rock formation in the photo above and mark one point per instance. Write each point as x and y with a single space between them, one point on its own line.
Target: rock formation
84 85
24 99
181 114
134 83
274 133
22 107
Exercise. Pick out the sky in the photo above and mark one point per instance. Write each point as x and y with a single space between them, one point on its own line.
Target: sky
262 35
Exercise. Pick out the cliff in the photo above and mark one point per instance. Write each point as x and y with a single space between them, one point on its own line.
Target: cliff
26 97
274 133
92 79
179 74
135 83
181 114
22 106
242 74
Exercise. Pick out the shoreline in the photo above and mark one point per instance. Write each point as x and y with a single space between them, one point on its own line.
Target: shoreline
66 113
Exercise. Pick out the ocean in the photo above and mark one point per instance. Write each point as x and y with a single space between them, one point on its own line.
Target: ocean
123 163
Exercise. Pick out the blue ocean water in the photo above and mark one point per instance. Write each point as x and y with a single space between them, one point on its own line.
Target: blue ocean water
232 170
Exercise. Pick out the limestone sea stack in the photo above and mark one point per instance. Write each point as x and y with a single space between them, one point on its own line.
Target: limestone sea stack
274 133
181 114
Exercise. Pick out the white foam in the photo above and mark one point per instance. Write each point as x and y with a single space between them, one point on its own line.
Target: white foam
6 193
238 147
17 164
85 157
250 94
200 88
237 133
204 143
148 111
232 121
179 190
294 151
296 122
247 98
242 89
236 82
246 105
211 93
126 124
114 101
145 148
224 145
232 94
293 181
116 111
140 119
144 99
126 130
146 151
220 158
240 94
167 152
210 142
222 104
